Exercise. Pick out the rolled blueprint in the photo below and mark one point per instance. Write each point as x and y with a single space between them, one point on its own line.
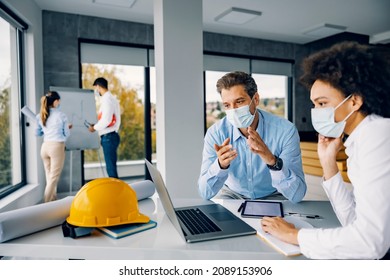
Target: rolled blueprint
143 189
19 222
23 221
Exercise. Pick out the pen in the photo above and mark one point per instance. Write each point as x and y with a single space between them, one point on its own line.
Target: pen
308 216
87 124
240 208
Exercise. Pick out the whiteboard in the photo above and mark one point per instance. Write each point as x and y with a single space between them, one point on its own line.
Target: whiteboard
79 105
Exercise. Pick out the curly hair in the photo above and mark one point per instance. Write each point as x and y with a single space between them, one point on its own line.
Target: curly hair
353 68
232 79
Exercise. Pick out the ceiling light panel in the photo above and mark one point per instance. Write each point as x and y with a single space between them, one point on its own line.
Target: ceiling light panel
324 30
237 16
115 3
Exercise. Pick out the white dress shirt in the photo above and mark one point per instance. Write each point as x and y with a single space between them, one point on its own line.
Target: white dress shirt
108 108
364 212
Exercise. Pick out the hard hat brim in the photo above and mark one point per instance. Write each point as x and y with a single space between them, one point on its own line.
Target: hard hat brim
141 219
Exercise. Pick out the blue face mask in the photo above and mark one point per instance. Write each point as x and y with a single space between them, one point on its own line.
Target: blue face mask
324 123
240 117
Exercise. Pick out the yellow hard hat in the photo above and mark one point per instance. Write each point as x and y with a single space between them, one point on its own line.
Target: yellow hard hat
105 202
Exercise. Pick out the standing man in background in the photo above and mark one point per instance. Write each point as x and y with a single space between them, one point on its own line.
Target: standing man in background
109 120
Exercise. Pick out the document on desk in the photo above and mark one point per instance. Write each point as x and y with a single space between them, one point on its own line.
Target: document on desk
283 247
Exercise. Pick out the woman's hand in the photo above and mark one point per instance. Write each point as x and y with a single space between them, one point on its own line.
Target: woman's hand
327 151
281 229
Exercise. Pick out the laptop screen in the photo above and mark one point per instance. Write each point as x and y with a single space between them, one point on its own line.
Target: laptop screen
164 196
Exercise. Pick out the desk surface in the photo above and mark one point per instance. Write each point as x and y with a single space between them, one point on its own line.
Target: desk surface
162 242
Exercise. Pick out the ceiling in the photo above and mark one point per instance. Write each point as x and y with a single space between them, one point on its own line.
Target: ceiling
281 20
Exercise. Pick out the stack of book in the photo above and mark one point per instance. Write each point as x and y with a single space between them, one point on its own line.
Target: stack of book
127 229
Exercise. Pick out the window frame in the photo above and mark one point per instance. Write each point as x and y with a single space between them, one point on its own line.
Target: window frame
245 63
20 28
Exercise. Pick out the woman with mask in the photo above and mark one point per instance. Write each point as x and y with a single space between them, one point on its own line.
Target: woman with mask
250 153
350 88
54 127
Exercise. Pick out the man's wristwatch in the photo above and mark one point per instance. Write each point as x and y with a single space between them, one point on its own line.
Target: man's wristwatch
278 164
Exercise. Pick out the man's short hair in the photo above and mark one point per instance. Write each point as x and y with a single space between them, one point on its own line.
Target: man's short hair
237 78
101 82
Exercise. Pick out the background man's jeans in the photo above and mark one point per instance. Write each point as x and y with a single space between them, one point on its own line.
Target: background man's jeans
110 143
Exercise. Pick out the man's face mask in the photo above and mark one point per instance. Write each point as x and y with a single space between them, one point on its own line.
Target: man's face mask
96 92
240 117
324 123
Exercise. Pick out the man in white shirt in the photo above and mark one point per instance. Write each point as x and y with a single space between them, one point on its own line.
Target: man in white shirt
109 120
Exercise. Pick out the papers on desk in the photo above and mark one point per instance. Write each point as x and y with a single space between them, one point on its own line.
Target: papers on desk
283 247
28 113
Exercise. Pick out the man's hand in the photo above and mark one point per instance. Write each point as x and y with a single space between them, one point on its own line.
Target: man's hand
91 129
225 153
257 146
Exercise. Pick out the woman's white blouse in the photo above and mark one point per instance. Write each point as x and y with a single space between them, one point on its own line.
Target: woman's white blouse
364 211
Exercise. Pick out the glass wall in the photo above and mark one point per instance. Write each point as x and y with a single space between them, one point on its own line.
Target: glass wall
132 78
273 91
11 149
214 108
132 82
271 79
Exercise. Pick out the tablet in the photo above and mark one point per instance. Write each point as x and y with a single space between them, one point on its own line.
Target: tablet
258 209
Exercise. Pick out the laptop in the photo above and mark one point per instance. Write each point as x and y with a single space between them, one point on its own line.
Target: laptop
200 222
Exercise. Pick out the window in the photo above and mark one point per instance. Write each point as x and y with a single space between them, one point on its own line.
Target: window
12 174
214 108
132 82
273 91
272 79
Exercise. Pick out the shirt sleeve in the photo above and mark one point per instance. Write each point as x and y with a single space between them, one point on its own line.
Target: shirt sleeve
107 111
38 129
342 199
212 177
290 180
65 128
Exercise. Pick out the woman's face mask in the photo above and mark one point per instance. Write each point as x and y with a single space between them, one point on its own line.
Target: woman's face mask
324 123
240 117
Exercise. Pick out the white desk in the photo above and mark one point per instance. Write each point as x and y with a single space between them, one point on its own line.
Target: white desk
162 242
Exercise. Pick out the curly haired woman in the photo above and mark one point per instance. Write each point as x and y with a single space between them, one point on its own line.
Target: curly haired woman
350 88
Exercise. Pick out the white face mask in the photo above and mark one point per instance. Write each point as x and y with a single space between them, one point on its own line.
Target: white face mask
96 92
240 117
324 123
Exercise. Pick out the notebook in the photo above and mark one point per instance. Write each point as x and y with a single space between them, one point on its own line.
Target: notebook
127 229
200 222
281 246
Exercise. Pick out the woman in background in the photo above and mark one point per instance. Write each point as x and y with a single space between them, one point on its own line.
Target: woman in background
54 127
350 88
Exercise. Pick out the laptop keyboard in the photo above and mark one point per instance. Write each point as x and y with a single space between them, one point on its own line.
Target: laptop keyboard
196 221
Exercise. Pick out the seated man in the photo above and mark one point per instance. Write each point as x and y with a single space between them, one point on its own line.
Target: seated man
250 153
